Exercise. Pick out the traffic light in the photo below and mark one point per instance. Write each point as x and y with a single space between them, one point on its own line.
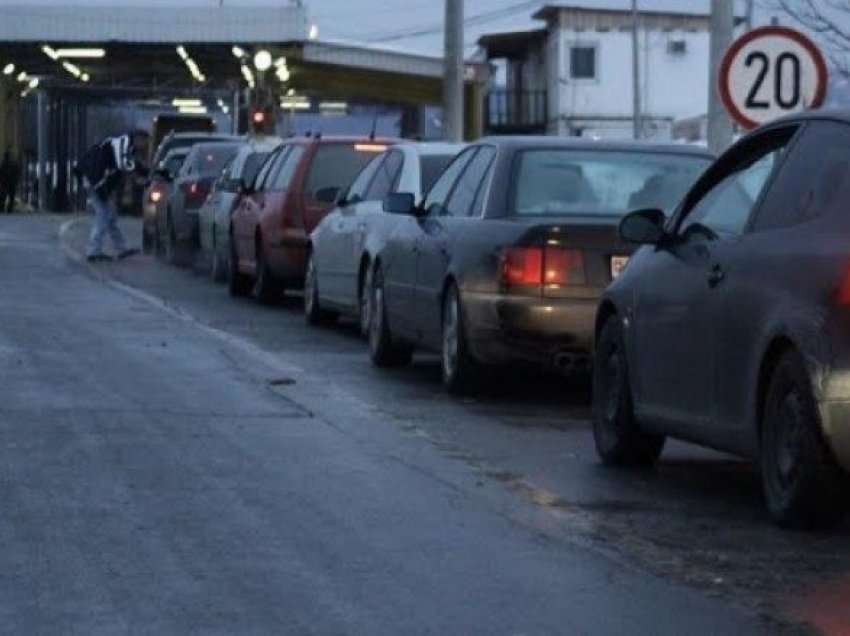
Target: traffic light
262 120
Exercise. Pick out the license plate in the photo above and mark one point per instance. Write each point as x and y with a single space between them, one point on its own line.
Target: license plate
618 264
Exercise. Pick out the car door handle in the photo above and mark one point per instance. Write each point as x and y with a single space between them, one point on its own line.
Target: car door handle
716 276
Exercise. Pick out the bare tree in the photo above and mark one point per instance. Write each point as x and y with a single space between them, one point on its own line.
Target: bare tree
829 20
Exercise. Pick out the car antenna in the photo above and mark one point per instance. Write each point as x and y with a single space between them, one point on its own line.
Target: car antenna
374 125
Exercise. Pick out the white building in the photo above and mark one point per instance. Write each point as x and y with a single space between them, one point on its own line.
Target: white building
574 76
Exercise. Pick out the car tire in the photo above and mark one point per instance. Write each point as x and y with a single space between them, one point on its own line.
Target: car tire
147 241
239 285
364 300
175 253
383 350
218 267
619 440
804 486
267 290
313 312
460 371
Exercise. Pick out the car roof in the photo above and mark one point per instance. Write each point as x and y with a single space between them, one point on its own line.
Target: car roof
182 150
583 144
426 148
203 135
336 139
209 145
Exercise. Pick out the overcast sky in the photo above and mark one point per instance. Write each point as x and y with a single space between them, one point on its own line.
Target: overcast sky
393 22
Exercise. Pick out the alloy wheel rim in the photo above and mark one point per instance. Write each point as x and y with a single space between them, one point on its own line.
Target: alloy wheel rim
309 286
366 304
450 338
378 319
612 386
789 429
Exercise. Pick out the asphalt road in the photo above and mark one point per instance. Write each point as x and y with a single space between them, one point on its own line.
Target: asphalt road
173 461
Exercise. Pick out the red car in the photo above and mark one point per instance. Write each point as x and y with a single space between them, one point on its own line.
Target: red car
295 189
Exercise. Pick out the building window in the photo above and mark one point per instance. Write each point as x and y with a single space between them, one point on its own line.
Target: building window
583 62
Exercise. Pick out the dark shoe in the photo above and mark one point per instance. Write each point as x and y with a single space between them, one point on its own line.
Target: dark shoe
98 258
127 253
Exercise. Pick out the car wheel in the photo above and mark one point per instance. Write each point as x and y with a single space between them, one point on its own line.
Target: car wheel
266 289
803 484
382 350
238 284
460 370
313 311
365 301
619 440
147 241
175 253
218 267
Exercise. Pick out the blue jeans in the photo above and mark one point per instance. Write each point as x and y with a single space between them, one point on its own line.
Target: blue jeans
105 221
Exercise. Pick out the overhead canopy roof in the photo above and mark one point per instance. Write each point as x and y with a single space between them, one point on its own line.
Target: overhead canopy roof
141 24
145 51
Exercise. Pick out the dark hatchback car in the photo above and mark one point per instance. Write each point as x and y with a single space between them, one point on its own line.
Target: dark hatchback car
160 180
178 226
512 247
731 328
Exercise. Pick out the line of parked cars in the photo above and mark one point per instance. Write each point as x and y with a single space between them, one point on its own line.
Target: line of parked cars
709 300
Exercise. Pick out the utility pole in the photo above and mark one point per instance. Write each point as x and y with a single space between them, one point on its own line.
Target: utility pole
750 13
636 127
453 73
722 26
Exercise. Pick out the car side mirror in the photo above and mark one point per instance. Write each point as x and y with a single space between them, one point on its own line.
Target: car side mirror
644 227
326 195
400 203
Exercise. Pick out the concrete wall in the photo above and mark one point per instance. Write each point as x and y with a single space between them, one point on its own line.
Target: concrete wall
673 85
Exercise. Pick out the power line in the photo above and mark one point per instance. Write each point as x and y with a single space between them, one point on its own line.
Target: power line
474 20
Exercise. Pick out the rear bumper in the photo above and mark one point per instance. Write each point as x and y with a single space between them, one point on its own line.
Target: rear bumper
835 420
555 332
186 226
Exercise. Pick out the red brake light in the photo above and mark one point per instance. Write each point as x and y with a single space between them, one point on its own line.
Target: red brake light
156 196
563 267
522 266
547 266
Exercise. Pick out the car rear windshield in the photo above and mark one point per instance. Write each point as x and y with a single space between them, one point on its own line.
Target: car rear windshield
252 165
601 183
181 142
432 167
336 165
210 160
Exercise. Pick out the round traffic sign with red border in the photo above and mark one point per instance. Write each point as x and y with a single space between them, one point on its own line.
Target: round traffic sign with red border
769 72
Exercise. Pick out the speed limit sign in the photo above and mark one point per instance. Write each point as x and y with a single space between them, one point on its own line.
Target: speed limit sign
770 72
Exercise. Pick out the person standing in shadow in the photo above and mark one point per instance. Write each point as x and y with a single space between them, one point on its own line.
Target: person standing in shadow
10 172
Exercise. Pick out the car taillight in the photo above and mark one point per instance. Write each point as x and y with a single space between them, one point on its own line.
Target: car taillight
522 266
196 191
156 196
548 266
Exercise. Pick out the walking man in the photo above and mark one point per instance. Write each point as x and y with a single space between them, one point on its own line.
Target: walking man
10 172
101 169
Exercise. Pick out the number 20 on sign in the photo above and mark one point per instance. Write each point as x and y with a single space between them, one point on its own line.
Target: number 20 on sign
770 72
